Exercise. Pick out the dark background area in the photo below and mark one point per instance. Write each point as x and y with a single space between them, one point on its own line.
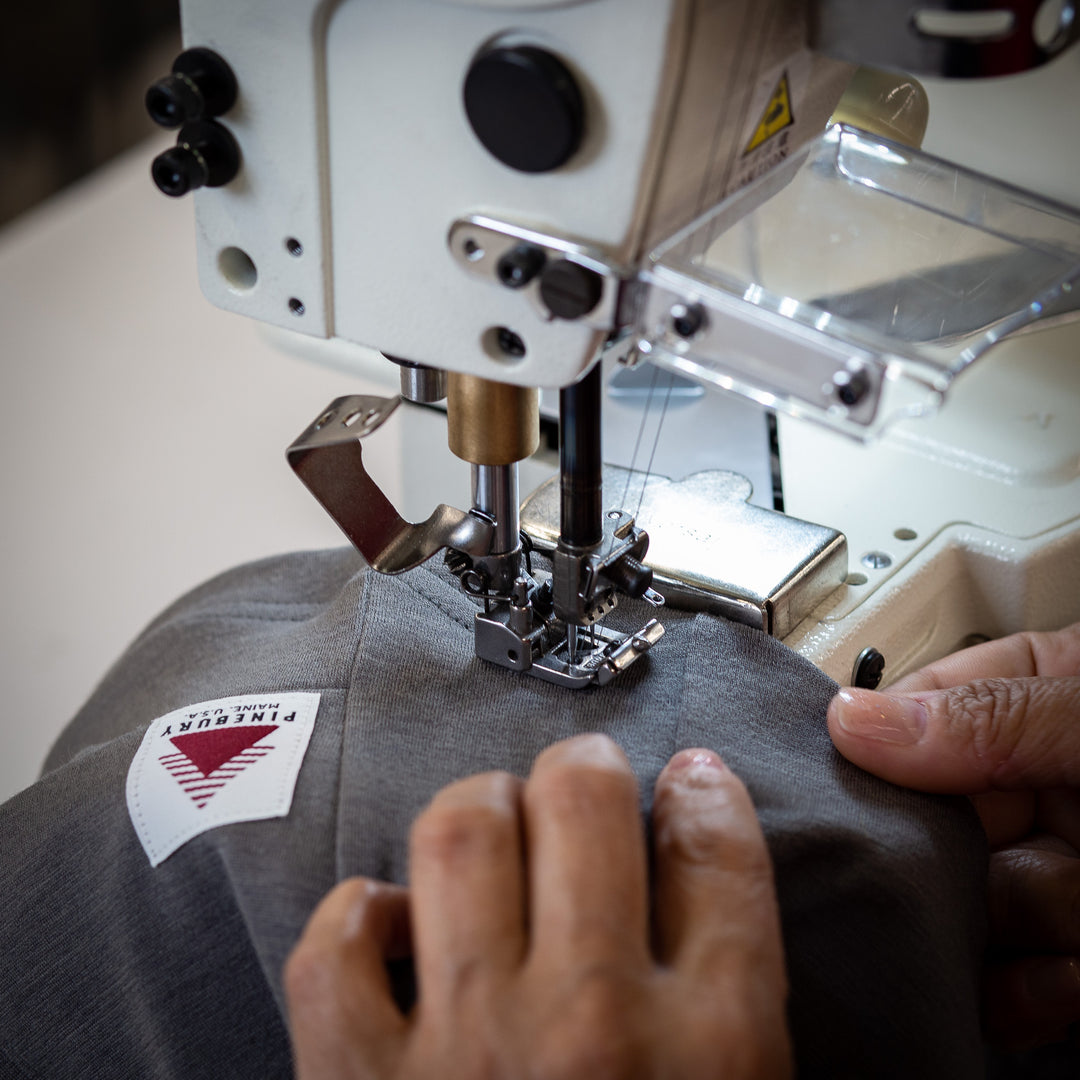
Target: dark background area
73 74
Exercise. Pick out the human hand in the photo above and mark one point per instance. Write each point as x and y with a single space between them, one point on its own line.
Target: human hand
999 722
530 923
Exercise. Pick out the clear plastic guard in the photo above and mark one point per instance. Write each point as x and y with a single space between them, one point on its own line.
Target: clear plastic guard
855 281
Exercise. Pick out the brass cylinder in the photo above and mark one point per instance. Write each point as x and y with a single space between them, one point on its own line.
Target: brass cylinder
885 103
491 423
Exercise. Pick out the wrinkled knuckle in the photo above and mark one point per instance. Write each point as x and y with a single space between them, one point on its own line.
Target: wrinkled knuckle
693 841
700 841
990 716
709 828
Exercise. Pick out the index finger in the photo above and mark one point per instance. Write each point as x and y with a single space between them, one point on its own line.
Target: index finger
587 875
466 876
1018 656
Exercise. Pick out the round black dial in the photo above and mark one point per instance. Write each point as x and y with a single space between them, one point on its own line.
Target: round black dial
525 107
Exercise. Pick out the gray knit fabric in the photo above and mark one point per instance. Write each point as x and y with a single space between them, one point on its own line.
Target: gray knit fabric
111 968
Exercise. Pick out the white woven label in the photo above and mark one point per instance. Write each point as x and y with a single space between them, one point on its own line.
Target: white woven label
216 763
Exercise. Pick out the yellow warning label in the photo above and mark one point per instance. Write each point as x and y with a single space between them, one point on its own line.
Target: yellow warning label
775 118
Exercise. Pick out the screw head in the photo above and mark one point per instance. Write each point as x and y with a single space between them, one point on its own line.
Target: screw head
850 387
520 265
876 560
510 343
687 320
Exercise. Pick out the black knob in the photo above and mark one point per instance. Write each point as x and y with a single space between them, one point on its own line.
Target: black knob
520 265
202 85
869 669
630 576
205 154
569 289
525 107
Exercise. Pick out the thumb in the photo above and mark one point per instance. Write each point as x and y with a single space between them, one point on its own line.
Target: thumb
992 734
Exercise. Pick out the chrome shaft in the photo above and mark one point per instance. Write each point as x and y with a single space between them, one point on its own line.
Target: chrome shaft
495 493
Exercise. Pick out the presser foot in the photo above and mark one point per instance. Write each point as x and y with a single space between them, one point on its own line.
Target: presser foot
525 630
543 625
599 654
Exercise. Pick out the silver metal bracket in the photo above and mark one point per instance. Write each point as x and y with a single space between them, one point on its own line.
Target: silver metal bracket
328 459
722 341
519 631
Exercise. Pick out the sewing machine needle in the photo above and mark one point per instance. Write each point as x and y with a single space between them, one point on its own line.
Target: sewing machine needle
571 643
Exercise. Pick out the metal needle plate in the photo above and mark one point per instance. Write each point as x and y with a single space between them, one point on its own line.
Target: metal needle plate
710 550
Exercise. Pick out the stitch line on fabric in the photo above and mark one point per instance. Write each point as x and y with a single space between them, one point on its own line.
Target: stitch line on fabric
438 604
183 620
353 687
690 684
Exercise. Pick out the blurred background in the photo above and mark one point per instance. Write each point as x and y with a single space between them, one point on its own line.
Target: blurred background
113 370
72 78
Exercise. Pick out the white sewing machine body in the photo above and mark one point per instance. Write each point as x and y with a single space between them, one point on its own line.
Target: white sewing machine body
976 512
356 146
371 209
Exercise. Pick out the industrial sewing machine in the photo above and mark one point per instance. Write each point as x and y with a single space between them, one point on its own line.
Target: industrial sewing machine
552 194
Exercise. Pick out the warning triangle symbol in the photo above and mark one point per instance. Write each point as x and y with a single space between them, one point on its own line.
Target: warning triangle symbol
209 750
775 118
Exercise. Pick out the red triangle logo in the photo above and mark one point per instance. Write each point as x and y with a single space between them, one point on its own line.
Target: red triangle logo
209 750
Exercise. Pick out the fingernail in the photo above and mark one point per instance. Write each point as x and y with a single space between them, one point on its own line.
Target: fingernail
1055 979
869 715
695 762
687 759
593 748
